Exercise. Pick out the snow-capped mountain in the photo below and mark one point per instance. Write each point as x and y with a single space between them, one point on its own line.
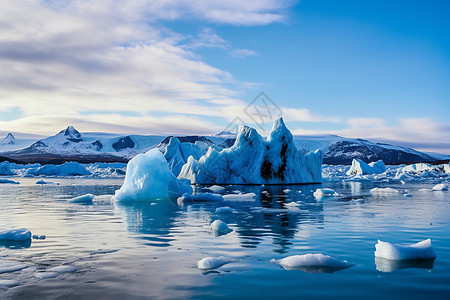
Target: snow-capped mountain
71 145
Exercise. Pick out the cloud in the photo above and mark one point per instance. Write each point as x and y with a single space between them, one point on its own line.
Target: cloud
242 53
365 122
207 38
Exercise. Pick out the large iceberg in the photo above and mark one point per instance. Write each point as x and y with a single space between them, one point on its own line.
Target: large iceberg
177 153
71 168
361 168
148 178
255 160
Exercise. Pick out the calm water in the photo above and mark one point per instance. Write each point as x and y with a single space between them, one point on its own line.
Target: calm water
151 250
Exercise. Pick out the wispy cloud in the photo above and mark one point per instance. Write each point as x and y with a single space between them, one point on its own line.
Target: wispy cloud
242 53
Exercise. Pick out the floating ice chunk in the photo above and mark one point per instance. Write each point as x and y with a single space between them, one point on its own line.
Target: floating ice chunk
240 197
9 181
311 261
46 275
103 199
84 199
224 209
199 197
63 269
384 191
8 266
291 204
8 283
220 227
148 178
321 193
208 263
39 237
287 191
361 168
42 181
255 160
216 188
20 234
447 168
421 250
440 187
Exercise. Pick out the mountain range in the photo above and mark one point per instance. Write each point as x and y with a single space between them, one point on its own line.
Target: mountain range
71 145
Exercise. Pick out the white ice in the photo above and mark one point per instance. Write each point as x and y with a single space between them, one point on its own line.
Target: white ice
208 263
19 234
311 260
384 191
255 160
421 250
216 188
148 178
361 168
440 187
322 193
84 199
8 283
219 227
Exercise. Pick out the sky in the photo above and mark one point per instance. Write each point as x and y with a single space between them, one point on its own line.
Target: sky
374 69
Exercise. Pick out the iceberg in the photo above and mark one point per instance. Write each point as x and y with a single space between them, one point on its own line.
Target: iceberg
322 193
447 168
177 154
9 181
440 187
71 168
20 234
84 199
209 263
421 250
361 168
220 227
148 178
5 169
255 160
413 169
384 191
312 263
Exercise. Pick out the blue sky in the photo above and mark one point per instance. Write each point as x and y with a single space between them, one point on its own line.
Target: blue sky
371 69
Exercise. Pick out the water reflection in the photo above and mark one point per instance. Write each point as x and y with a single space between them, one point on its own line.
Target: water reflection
387 265
316 269
271 215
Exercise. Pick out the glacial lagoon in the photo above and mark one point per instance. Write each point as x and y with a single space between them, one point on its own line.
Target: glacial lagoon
151 249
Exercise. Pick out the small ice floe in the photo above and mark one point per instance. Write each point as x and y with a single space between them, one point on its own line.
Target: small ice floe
20 234
408 195
287 191
240 197
209 263
9 181
384 191
323 193
312 263
39 237
84 199
224 209
103 199
291 204
219 227
8 283
199 197
46 275
9 266
42 181
421 250
216 188
440 187
63 269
